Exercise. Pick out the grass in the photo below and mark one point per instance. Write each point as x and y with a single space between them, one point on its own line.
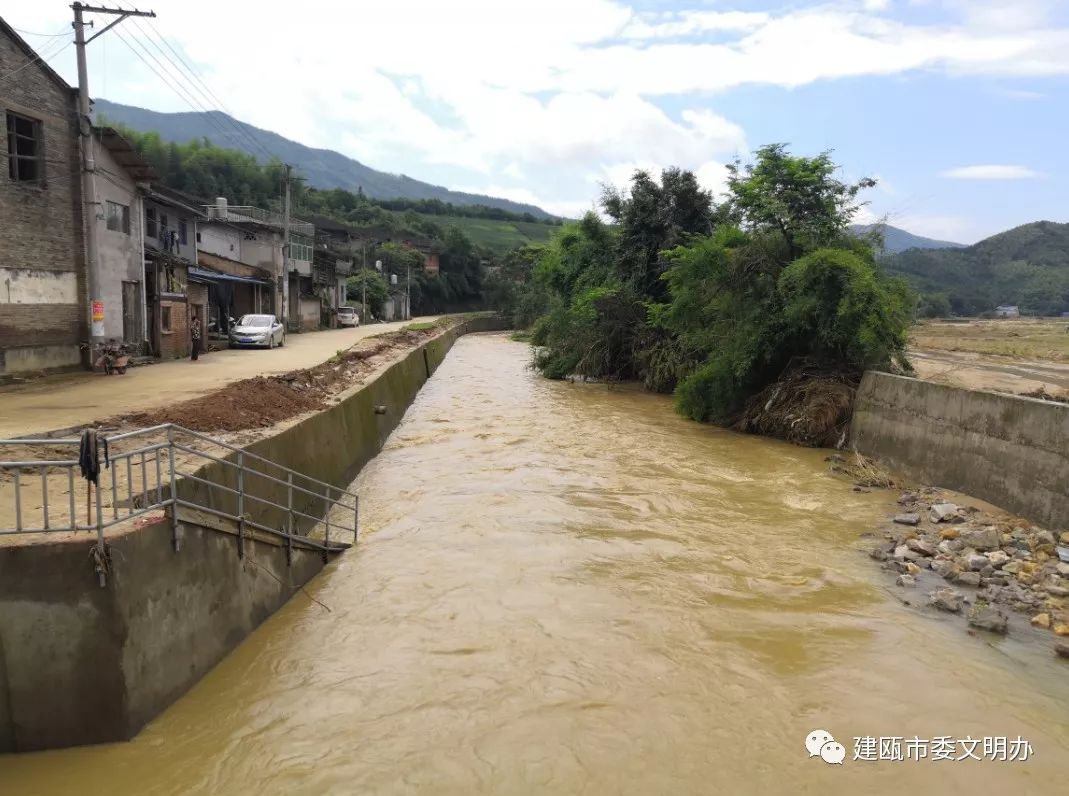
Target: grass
499 236
1014 338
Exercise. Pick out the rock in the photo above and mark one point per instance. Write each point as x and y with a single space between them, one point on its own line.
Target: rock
1061 629
997 558
993 581
1041 621
912 569
921 546
943 512
949 548
902 552
1063 554
967 578
879 554
944 567
906 580
973 562
981 538
906 498
947 600
1061 649
907 519
950 533
1013 567
987 617
1062 569
1056 590
1044 537
1064 538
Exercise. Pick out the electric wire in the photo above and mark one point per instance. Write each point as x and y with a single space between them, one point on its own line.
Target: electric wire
43 56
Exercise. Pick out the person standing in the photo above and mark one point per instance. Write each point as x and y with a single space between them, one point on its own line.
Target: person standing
194 333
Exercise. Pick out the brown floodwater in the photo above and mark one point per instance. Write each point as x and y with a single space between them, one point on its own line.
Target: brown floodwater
562 588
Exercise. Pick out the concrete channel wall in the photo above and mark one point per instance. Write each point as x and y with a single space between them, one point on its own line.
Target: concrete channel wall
1005 449
81 664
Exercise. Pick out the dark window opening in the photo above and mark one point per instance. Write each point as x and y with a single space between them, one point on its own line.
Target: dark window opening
183 233
25 158
165 319
118 217
150 222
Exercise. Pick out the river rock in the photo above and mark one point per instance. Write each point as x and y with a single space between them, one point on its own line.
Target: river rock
973 561
1061 629
1013 567
943 512
967 579
981 538
1061 649
1064 538
987 617
907 519
949 533
1041 621
1063 554
997 558
902 552
944 568
1044 537
906 498
906 580
947 600
949 547
912 569
921 546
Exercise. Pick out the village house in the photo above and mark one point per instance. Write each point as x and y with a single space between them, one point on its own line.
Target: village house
254 237
43 298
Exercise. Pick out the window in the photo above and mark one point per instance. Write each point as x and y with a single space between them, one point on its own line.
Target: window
150 223
300 249
183 233
25 160
198 237
164 232
165 320
118 217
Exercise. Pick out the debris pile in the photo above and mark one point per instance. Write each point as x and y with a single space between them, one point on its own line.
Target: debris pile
809 405
262 401
986 566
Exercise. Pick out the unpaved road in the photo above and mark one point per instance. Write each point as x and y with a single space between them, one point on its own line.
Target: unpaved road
989 372
77 399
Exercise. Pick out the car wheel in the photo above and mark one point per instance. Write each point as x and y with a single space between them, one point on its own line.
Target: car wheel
282 340
270 342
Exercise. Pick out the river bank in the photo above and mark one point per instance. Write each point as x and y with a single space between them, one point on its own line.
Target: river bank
1000 573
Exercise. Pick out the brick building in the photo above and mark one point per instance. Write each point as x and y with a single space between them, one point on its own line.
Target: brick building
43 301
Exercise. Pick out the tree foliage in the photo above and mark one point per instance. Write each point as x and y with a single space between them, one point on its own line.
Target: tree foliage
716 302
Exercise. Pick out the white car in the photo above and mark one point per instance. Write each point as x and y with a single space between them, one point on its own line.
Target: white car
348 316
257 330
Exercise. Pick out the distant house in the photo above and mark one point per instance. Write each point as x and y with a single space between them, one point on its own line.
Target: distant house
1007 311
43 297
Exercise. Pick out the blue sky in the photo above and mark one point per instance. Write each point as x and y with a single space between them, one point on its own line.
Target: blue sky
958 107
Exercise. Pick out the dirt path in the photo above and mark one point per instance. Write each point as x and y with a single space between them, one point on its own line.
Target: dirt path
989 372
79 399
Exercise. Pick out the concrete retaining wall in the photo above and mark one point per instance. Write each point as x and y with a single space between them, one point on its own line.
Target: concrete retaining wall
1007 450
80 664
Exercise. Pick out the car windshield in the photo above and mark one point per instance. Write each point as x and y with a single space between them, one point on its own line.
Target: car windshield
255 320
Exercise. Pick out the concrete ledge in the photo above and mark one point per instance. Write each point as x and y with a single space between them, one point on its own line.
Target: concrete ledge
1008 450
80 664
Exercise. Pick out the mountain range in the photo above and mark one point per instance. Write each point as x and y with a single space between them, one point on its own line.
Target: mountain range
1027 266
897 240
322 168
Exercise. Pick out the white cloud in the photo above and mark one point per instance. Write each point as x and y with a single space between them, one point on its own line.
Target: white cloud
991 172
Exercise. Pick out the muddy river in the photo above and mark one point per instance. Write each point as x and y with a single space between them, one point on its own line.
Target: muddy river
567 589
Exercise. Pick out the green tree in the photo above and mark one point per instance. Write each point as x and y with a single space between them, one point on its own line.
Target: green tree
377 291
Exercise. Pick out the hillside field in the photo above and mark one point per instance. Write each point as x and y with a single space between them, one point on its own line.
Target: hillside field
499 236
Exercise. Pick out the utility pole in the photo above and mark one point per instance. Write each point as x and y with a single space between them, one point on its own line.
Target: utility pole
85 139
363 283
408 290
286 252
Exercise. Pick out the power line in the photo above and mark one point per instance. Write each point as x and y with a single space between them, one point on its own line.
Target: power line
39 57
197 82
63 32
184 96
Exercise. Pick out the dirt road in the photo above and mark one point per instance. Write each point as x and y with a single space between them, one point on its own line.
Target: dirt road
77 399
976 371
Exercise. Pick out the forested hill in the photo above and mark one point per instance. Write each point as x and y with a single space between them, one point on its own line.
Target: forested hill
898 240
1027 266
322 168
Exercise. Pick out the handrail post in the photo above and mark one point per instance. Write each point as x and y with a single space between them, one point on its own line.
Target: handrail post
356 517
326 514
174 490
241 504
101 549
289 518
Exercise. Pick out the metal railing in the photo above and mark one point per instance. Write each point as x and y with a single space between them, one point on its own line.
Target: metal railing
170 467
239 213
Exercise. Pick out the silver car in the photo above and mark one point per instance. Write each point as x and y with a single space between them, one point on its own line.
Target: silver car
257 330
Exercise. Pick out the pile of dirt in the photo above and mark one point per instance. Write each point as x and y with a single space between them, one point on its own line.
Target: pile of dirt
249 403
265 400
809 405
